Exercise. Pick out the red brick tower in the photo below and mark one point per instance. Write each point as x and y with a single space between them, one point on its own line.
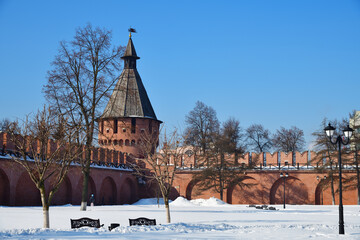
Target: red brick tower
128 113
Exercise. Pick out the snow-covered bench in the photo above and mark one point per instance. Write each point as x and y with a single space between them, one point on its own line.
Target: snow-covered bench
142 221
85 222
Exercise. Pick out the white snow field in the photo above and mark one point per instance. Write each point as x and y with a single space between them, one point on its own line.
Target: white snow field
196 219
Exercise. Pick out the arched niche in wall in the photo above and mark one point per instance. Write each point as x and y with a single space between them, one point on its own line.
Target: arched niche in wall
26 193
64 194
91 190
108 192
4 188
295 191
127 191
247 192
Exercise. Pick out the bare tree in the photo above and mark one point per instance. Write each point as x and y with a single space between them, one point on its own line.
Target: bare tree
221 173
83 72
326 154
231 138
354 150
202 126
258 138
45 161
162 163
4 125
289 140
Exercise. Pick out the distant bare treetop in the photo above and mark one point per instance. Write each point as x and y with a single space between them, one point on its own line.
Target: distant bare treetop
289 140
258 138
4 125
202 123
231 137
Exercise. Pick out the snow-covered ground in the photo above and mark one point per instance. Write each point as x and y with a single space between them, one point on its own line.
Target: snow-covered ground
197 219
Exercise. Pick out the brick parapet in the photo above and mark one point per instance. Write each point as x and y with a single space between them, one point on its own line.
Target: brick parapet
97 154
286 158
272 158
257 159
244 158
302 158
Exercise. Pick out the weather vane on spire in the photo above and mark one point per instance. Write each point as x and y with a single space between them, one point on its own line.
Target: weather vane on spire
131 30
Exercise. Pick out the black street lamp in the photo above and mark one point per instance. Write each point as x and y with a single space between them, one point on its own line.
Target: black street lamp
284 176
329 130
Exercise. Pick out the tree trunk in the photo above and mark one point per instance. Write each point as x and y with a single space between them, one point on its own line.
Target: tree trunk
221 185
86 173
357 175
84 194
46 217
45 205
167 207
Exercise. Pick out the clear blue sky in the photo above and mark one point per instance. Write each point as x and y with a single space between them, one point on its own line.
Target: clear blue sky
278 63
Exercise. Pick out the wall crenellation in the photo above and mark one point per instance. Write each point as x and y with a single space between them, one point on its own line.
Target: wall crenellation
97 154
248 159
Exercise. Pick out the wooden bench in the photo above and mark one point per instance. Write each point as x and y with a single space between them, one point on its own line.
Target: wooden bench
142 222
85 222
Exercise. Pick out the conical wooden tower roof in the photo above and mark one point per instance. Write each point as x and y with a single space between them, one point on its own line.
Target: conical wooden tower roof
129 98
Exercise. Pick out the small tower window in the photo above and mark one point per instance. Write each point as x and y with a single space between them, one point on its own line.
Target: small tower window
102 127
133 125
115 126
150 127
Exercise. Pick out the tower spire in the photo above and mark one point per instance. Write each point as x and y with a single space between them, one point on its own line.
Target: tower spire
130 56
129 98
128 113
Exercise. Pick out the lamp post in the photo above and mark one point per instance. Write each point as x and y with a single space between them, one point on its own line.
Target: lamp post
329 130
284 176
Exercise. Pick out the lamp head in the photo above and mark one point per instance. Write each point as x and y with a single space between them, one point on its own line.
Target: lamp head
348 131
329 130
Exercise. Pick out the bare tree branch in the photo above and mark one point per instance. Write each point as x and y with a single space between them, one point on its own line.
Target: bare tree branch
45 160
84 71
